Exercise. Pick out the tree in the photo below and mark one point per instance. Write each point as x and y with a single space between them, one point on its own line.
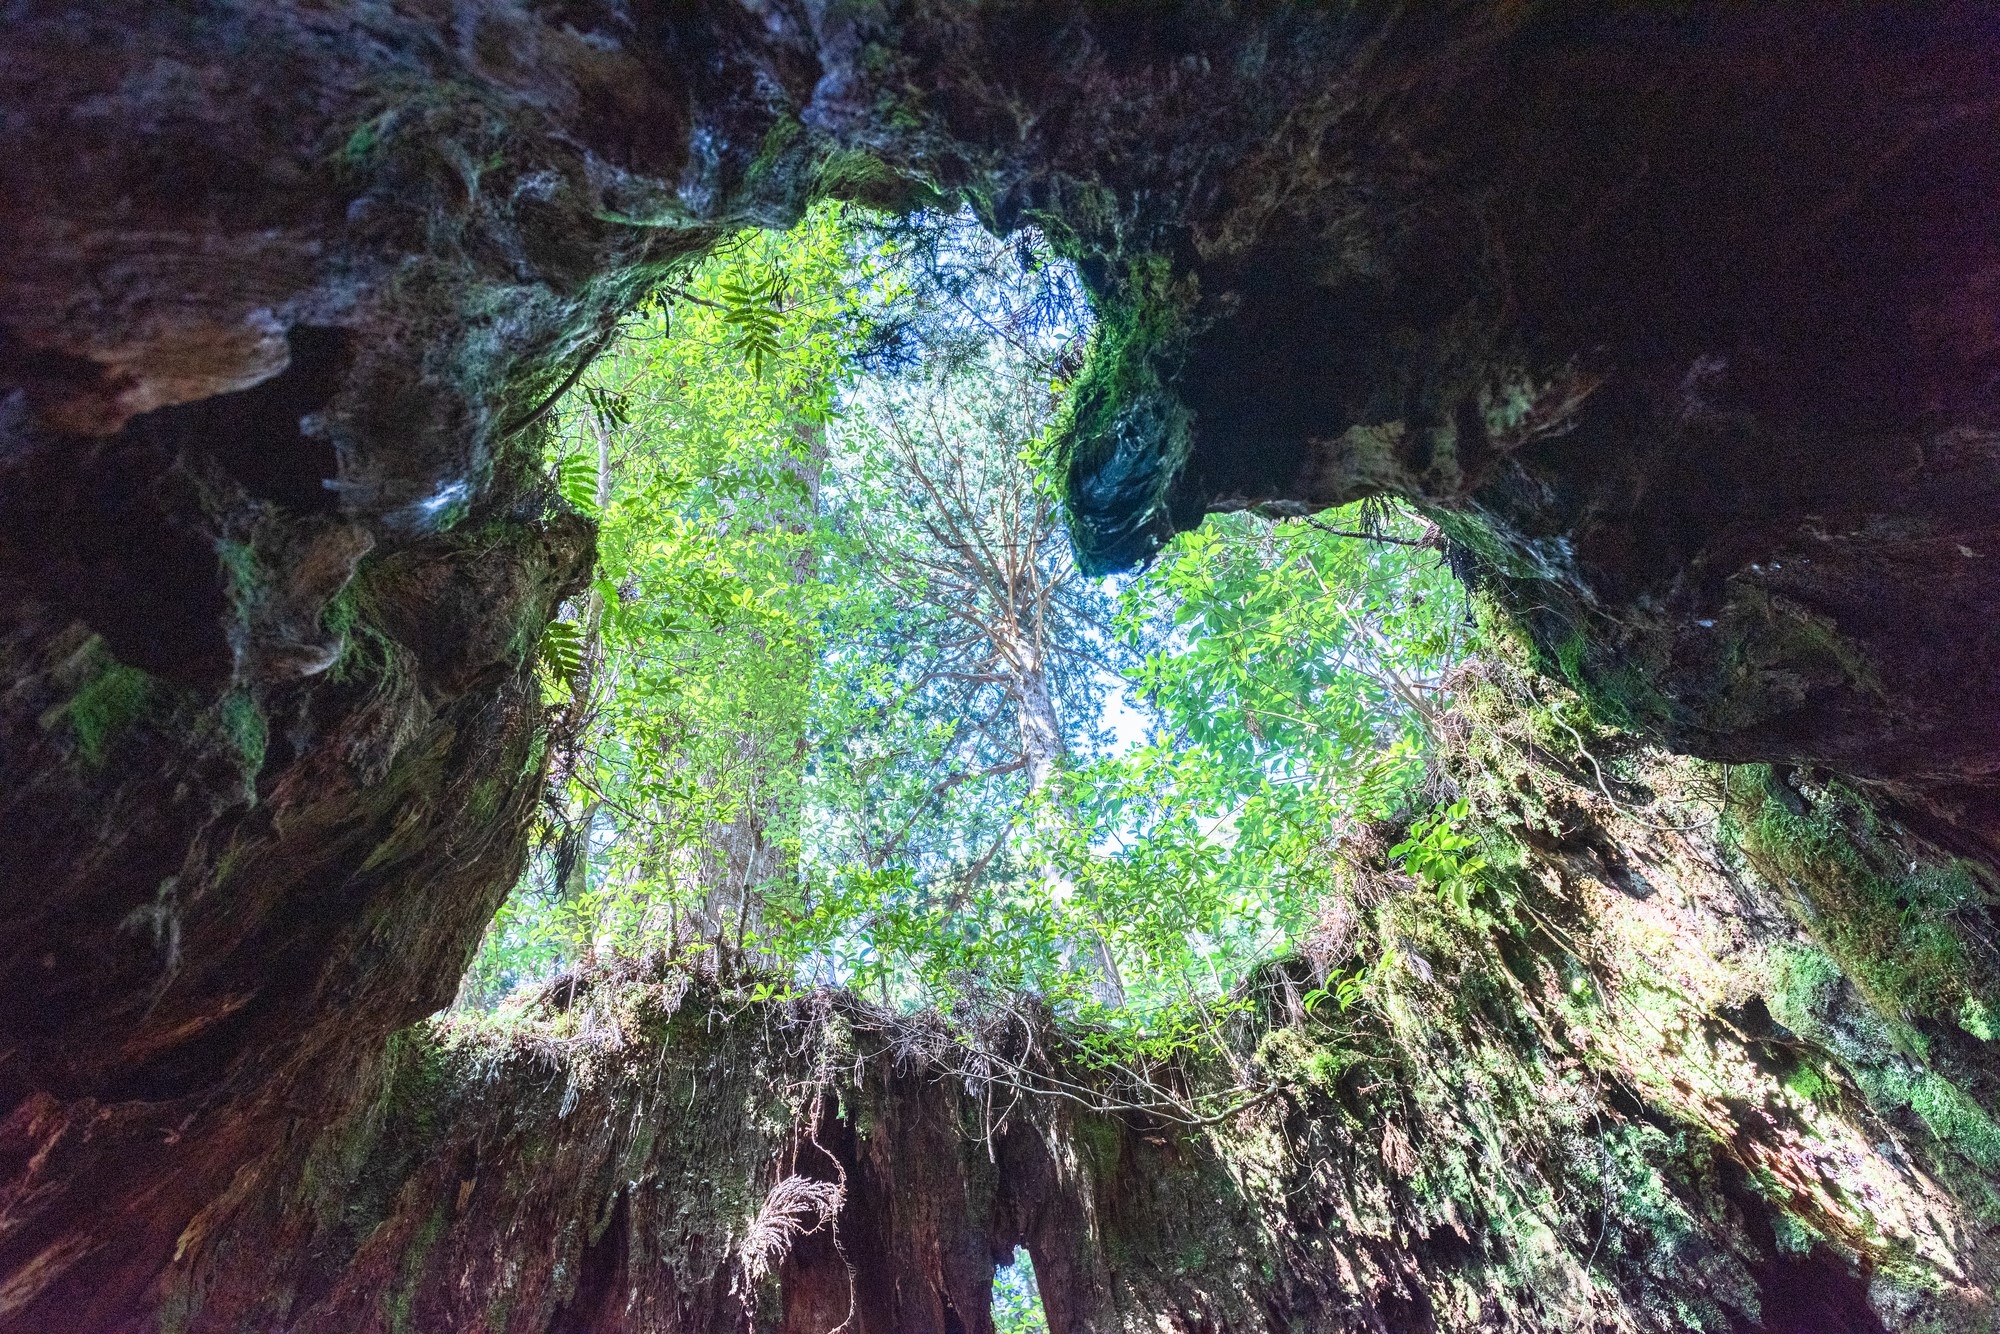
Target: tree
970 640
835 700
698 441
971 664
1295 670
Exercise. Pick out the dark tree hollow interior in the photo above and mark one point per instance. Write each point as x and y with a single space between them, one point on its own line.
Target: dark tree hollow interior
1681 321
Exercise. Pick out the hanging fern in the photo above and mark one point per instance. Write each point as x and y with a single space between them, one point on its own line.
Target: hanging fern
612 408
576 479
752 309
562 650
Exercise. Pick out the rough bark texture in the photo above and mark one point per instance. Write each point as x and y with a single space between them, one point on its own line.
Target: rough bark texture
1682 322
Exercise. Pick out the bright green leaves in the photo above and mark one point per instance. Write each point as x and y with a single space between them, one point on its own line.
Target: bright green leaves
562 650
1440 853
576 478
1294 674
1017 1302
1348 988
752 308
688 666
833 606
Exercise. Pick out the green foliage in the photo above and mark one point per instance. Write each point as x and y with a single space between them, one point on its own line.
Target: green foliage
1292 674
1348 989
829 593
104 706
688 666
562 649
1439 852
576 478
1017 1302
751 308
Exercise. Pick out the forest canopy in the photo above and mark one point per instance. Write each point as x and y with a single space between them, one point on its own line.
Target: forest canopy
839 708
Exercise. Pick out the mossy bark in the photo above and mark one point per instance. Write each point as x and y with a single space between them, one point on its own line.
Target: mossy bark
1680 321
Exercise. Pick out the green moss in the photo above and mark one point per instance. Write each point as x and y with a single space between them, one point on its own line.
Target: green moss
483 803
1123 434
341 612
1890 925
1886 1059
1101 1141
1792 1236
1570 658
1774 631
778 140
104 707
1293 1058
865 179
359 149
1803 984
239 563
1619 695
1809 1083
1560 636
249 735
401 1300
1956 1119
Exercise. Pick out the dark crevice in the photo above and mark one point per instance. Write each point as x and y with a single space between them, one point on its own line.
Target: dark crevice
600 1278
42 375
1815 1293
90 531
113 531
257 436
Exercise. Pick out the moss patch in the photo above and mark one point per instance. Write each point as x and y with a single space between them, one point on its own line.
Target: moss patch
1893 926
249 735
1123 434
107 704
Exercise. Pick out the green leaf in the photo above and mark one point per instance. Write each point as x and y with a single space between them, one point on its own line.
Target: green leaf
562 650
576 479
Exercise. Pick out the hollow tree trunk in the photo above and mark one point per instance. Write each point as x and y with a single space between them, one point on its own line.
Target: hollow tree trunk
1679 323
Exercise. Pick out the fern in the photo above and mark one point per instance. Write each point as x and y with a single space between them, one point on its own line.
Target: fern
562 649
612 408
752 309
576 479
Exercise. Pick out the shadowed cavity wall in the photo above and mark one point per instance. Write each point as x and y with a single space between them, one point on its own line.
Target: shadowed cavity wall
1679 322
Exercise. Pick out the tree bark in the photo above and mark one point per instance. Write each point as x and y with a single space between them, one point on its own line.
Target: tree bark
1678 324
1041 729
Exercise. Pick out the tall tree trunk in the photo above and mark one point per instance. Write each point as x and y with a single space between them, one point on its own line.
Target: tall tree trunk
1043 744
1041 729
743 855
